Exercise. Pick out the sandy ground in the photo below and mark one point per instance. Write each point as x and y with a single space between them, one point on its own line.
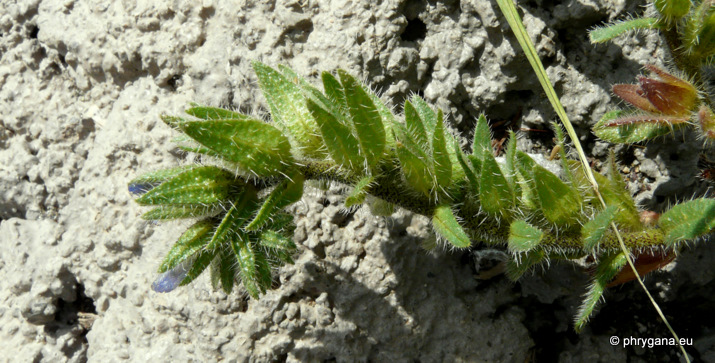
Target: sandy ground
82 84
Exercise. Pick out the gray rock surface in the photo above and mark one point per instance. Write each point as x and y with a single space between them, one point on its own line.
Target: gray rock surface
82 85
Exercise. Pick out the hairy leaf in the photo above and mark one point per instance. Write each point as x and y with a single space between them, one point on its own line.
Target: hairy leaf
193 240
523 237
366 119
200 185
284 194
182 211
150 180
524 178
254 145
482 138
342 145
415 125
447 226
379 207
334 90
610 31
495 195
608 267
688 220
289 109
560 203
426 114
416 164
254 270
227 269
517 268
215 113
359 192
593 230
440 155
472 175
203 260
243 207
630 132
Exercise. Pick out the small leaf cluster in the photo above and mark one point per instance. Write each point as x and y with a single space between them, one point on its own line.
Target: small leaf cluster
664 102
252 170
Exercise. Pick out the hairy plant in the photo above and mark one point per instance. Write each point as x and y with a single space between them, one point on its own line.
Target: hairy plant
252 170
666 102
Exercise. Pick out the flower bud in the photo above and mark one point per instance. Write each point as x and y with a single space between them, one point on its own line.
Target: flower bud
663 94
669 94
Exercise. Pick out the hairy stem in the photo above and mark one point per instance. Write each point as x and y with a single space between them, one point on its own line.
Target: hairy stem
388 186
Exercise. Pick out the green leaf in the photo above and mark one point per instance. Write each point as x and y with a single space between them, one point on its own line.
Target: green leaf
242 208
629 133
182 211
342 144
517 268
593 230
280 246
415 168
524 178
253 267
482 143
560 203
215 113
172 121
388 119
561 143
415 125
359 192
472 176
610 31
148 181
289 109
193 240
447 226
427 115
509 165
203 260
440 155
284 194
608 267
366 119
282 222
523 237
379 207
200 185
618 196
689 220
227 269
495 195
255 146
334 90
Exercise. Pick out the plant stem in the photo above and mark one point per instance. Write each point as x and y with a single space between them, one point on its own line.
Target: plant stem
389 186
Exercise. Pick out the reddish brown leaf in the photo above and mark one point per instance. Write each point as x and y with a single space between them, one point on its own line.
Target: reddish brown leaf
669 99
644 263
631 93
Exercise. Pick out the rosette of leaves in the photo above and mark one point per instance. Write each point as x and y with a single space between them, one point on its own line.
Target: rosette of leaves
253 169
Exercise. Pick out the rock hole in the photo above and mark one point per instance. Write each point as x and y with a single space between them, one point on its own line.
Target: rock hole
174 82
34 30
415 30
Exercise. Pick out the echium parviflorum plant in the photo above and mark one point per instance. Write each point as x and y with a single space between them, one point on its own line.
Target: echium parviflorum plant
252 169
